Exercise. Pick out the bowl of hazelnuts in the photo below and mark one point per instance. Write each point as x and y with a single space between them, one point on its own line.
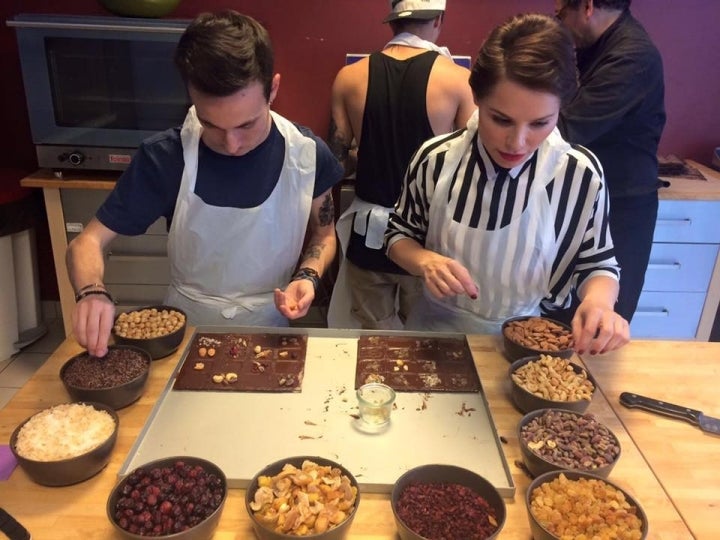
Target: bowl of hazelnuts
158 330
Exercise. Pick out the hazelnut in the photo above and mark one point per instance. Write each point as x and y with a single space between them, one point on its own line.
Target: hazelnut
202 352
211 352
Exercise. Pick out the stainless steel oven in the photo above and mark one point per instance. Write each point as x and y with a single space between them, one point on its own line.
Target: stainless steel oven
97 86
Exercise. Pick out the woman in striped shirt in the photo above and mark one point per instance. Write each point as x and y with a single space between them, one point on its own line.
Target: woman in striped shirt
504 215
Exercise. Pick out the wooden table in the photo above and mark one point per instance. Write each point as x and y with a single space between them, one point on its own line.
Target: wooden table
684 458
79 511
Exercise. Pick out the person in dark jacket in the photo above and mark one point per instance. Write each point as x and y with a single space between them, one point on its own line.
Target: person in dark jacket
389 103
619 114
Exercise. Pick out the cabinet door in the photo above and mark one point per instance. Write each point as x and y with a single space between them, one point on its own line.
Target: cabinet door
680 267
688 221
667 315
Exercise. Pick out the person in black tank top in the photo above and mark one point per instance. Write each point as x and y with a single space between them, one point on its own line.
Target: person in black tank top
389 125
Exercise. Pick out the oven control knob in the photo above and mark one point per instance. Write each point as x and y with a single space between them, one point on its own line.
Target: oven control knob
76 158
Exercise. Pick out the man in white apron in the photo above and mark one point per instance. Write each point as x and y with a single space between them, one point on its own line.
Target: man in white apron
505 214
245 189
389 103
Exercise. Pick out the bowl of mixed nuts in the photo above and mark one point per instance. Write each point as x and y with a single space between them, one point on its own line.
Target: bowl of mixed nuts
446 501
593 507
558 439
159 330
547 382
180 497
302 496
117 379
530 335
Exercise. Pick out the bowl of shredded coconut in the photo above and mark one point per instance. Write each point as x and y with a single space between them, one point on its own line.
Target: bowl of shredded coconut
67 443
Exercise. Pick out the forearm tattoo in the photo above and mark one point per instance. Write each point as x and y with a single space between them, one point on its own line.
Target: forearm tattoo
337 143
313 251
326 215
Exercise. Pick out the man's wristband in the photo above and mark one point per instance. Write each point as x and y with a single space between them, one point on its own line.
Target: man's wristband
82 295
308 273
90 286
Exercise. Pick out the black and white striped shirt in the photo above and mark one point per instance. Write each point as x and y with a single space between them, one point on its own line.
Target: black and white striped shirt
482 195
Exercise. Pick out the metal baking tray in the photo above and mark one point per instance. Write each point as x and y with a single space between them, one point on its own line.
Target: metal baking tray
242 432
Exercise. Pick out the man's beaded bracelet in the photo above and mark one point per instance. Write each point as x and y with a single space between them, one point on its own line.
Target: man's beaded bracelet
90 286
308 273
80 296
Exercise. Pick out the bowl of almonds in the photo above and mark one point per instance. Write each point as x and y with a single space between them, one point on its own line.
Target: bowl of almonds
558 439
529 336
546 382
159 330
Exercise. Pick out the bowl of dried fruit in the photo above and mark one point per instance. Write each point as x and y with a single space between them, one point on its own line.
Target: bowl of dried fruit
117 379
470 506
159 330
65 444
179 497
550 382
593 507
529 336
306 496
558 439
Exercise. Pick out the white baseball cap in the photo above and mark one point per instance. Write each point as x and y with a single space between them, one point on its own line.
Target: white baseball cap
415 9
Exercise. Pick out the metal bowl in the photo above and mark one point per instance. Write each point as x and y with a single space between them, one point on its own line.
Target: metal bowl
446 474
64 472
538 464
515 351
156 347
201 531
527 401
263 532
116 396
539 530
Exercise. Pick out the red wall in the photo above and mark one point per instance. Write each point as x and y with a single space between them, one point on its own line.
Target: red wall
312 37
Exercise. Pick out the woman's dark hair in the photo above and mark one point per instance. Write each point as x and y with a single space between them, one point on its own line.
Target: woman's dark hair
219 54
534 51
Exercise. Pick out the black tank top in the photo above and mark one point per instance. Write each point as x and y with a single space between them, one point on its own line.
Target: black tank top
395 124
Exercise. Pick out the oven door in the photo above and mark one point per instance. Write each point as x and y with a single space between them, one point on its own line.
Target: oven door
100 81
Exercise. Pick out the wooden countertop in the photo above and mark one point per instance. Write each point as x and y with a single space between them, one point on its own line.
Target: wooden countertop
79 511
693 189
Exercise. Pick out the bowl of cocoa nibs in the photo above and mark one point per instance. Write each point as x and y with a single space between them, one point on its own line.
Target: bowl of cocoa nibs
302 496
558 439
547 382
593 507
159 330
531 335
445 501
180 497
116 379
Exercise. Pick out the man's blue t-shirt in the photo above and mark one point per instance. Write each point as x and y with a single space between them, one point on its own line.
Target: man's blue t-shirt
148 189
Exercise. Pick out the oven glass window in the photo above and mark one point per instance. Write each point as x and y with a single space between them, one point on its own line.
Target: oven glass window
115 84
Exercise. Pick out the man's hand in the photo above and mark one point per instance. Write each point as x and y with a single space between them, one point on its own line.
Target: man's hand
93 318
295 301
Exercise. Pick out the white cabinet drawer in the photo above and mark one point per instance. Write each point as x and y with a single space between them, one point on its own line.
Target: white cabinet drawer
680 267
668 315
140 269
688 221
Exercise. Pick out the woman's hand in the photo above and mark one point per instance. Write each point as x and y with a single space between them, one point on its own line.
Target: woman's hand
444 276
597 329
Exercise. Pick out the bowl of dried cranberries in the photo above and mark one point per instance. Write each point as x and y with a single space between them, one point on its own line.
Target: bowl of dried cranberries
470 506
179 497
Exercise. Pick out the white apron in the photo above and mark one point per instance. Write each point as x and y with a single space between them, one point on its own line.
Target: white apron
226 262
371 222
506 286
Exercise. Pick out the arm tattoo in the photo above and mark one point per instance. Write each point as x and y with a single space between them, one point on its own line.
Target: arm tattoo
313 251
337 143
326 214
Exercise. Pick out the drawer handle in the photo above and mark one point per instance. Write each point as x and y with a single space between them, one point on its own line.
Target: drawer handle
664 266
683 222
649 312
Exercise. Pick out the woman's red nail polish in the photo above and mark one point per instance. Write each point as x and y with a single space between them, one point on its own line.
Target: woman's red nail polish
581 352
473 296
593 352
